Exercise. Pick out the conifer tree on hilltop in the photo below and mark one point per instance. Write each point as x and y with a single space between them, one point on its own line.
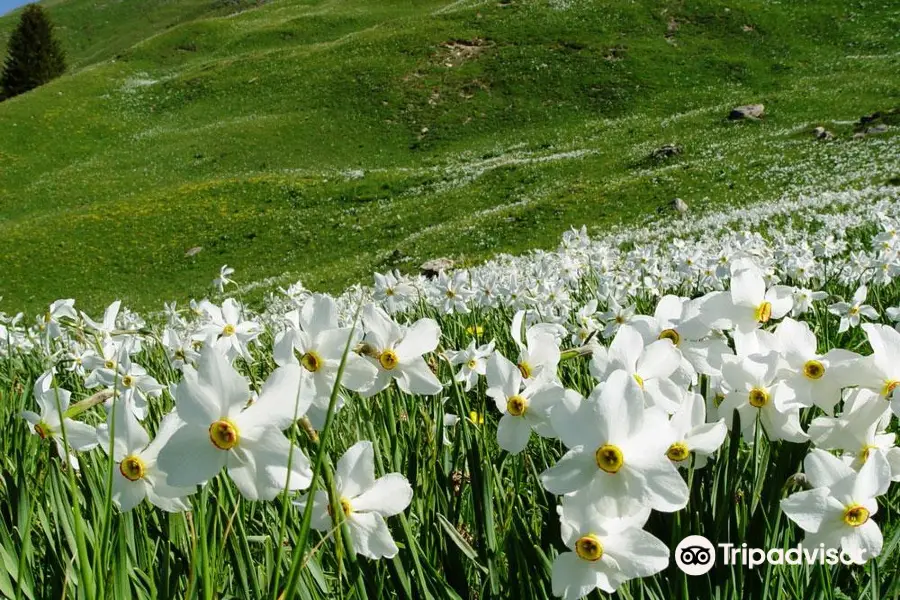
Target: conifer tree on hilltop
34 56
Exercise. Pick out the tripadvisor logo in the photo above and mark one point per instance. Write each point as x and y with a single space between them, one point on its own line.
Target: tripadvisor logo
696 555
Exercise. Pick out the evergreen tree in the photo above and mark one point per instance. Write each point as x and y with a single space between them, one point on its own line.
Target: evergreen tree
35 55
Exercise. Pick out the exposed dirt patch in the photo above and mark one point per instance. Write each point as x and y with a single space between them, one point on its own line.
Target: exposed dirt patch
456 52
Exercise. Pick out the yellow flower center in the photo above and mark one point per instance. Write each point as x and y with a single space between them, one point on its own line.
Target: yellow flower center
889 387
477 329
346 508
132 468
388 360
311 361
854 310
516 405
764 312
865 452
589 548
127 381
471 364
856 515
758 397
670 334
42 429
228 330
813 369
109 364
639 379
678 452
476 418
525 370
609 458
224 434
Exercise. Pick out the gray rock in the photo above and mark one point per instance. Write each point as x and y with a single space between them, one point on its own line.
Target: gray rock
433 267
680 205
822 134
666 151
747 111
876 129
193 251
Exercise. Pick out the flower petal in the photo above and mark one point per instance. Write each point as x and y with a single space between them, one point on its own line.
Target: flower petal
388 496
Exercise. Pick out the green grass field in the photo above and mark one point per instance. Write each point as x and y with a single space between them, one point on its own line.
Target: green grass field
323 140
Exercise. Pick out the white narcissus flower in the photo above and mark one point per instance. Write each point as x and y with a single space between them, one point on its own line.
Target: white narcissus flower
539 353
858 433
815 379
392 291
108 326
398 352
748 305
53 402
523 410
60 309
837 511
102 365
678 320
616 316
650 367
180 349
136 475
452 292
617 449
365 501
217 431
130 382
803 299
224 278
692 434
880 371
473 360
586 324
227 329
606 550
315 342
851 313
756 393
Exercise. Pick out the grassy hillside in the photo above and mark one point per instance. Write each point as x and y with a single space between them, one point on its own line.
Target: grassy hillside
327 139
98 30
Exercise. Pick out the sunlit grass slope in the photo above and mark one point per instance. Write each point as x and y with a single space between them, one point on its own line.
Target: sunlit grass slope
323 140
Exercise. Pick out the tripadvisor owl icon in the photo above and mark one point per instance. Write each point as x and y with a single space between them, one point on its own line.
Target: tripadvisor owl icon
695 555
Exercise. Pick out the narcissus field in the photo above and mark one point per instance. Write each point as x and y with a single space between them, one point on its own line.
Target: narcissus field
547 425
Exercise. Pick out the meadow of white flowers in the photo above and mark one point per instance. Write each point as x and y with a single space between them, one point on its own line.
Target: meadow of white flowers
733 376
